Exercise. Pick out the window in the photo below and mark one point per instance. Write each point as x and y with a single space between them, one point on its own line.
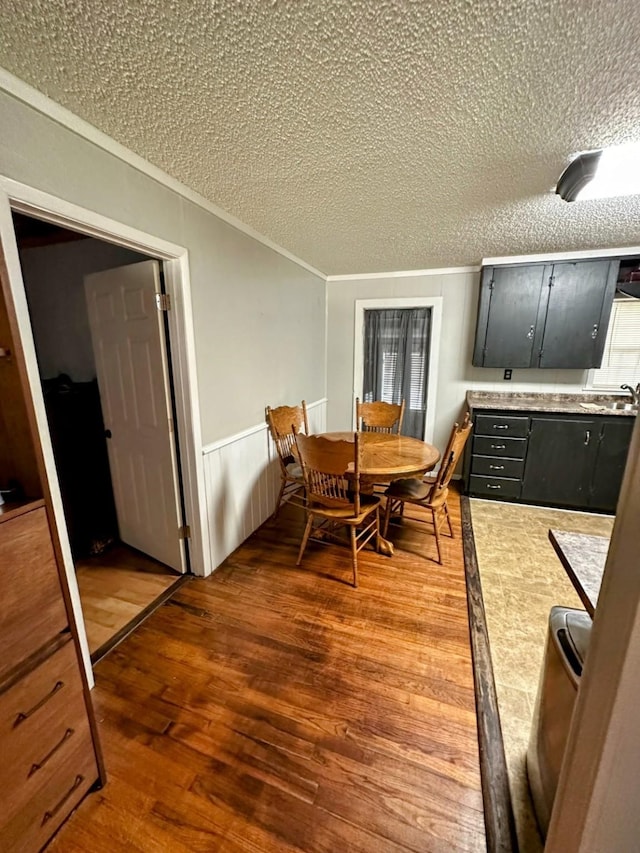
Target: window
621 358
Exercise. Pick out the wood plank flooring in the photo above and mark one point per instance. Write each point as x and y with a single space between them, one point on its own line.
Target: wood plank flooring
115 587
275 708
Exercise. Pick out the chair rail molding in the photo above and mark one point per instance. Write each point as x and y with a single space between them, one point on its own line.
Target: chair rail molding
242 480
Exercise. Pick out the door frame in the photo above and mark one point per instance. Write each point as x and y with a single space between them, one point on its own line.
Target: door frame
18 197
435 304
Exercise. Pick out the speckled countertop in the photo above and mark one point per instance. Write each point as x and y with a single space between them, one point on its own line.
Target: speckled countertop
584 558
595 404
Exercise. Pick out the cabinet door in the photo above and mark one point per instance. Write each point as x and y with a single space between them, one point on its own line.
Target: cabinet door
613 446
579 305
560 460
507 316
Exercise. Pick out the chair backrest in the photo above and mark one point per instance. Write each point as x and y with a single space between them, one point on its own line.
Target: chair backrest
379 416
451 456
325 463
282 422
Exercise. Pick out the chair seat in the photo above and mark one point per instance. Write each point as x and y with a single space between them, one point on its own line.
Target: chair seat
409 489
367 503
294 470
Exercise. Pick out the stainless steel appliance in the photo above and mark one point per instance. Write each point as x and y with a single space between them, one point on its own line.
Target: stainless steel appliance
565 652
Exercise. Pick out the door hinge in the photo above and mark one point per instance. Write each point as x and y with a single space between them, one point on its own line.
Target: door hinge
491 283
163 302
552 281
184 532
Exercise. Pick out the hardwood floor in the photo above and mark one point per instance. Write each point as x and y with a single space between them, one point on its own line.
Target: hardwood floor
275 708
115 588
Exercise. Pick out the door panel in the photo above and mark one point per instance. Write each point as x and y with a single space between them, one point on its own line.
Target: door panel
131 364
575 331
512 316
613 448
560 460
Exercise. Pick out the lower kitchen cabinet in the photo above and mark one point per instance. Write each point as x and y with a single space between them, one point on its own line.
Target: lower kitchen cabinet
549 459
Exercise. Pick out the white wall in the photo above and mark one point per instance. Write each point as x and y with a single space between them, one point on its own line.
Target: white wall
455 375
259 317
54 280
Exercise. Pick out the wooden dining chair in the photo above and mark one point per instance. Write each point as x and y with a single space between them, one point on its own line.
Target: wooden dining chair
431 495
379 416
333 498
282 421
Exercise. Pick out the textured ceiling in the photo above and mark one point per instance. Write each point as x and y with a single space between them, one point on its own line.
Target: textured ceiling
361 135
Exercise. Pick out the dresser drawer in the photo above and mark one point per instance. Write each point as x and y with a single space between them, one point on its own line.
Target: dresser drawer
495 487
32 609
515 448
492 467
502 425
28 825
40 716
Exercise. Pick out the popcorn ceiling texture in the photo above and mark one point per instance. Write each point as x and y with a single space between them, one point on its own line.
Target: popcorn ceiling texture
361 135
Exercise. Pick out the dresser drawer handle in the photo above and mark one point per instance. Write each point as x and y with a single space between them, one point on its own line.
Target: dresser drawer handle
496 467
24 715
493 486
498 446
54 811
501 426
65 737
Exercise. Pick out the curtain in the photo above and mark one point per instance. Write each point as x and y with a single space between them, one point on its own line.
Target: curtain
396 361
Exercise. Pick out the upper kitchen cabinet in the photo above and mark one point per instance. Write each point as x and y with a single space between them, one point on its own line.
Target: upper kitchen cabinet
544 315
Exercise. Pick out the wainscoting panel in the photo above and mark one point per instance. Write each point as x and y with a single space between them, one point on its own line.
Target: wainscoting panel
242 478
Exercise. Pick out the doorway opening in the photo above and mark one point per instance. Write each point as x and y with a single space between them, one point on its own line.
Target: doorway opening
104 363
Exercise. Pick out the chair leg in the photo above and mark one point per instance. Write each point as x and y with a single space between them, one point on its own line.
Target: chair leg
387 514
283 483
378 536
354 555
436 530
305 538
446 512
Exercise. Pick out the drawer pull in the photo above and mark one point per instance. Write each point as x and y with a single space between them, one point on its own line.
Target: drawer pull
24 715
498 446
496 467
54 811
493 486
501 426
65 737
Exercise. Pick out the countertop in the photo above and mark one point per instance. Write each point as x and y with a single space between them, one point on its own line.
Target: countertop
583 404
584 557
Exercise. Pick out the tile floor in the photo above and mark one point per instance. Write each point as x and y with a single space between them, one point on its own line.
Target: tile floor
522 579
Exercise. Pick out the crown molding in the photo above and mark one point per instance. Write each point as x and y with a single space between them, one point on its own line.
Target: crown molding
40 102
402 274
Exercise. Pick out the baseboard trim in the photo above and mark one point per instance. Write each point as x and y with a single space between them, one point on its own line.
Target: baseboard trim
498 810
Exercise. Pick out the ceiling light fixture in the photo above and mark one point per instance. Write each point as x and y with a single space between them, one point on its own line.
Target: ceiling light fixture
605 173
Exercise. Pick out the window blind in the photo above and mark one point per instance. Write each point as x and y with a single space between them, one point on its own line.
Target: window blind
621 359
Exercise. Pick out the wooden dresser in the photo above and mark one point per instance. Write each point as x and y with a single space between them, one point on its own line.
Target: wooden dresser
49 749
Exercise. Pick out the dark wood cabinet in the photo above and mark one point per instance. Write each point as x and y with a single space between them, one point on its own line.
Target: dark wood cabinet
549 459
560 461
544 315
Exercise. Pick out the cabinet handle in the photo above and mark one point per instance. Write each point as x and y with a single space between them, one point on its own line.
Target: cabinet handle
587 437
24 715
54 811
493 486
498 446
501 426
530 333
52 752
496 467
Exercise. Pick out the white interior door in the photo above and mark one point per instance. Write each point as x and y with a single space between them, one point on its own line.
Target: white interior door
131 365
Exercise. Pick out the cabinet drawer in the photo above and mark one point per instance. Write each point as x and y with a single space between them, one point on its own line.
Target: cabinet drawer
39 718
27 826
492 467
515 448
495 487
32 609
502 425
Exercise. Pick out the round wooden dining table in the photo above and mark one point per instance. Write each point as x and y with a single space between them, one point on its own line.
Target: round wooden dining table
385 457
